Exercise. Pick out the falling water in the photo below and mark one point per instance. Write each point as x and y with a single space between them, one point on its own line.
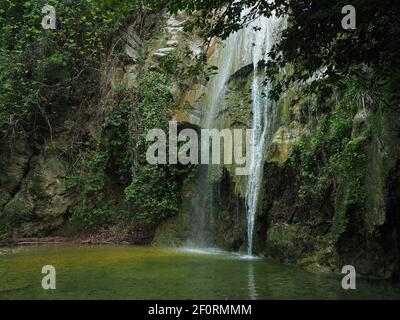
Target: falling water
243 48
228 60
262 121
203 203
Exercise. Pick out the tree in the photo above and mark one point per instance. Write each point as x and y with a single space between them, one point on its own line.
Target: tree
314 40
45 72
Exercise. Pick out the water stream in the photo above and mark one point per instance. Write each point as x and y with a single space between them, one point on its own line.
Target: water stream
263 117
244 48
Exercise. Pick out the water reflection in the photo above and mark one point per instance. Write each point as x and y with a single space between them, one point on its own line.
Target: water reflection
251 282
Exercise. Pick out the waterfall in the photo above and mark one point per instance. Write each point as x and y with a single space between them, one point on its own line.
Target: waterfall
243 48
262 121
228 60
203 205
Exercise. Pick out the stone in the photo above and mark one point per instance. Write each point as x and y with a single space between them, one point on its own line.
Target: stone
13 167
160 53
19 209
42 201
192 96
281 147
188 119
131 75
131 52
133 43
196 47
212 48
172 43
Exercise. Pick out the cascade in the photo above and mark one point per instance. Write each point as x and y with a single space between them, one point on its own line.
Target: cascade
263 117
243 48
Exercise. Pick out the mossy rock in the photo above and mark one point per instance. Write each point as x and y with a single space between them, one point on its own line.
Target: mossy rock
19 209
42 202
281 147
175 231
298 243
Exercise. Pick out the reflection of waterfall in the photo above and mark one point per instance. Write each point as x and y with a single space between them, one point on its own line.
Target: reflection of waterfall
252 283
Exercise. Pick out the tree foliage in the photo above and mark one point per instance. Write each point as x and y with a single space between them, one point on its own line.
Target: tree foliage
44 71
314 40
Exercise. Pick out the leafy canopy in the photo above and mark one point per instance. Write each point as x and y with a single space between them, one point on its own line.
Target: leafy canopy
314 40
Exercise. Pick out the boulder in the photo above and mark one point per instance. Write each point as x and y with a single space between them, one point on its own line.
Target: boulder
42 201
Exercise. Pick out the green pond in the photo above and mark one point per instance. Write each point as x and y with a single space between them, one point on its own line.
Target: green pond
127 272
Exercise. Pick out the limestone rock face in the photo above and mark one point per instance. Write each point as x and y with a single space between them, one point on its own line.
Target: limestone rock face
281 147
174 34
42 201
13 168
190 119
132 43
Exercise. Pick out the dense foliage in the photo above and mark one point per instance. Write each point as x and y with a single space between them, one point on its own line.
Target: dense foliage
314 40
118 185
45 72
331 158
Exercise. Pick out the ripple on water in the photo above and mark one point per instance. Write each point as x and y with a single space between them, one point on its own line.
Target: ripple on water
217 252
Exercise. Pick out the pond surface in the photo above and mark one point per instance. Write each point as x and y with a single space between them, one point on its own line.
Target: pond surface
127 272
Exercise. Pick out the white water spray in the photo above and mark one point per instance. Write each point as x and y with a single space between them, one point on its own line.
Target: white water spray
262 120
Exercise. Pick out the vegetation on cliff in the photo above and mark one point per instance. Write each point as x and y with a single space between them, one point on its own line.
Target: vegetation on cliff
329 197
62 95
77 102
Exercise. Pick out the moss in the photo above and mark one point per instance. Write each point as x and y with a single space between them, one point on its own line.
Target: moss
285 104
327 204
283 236
174 231
281 147
297 243
36 187
238 113
375 214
